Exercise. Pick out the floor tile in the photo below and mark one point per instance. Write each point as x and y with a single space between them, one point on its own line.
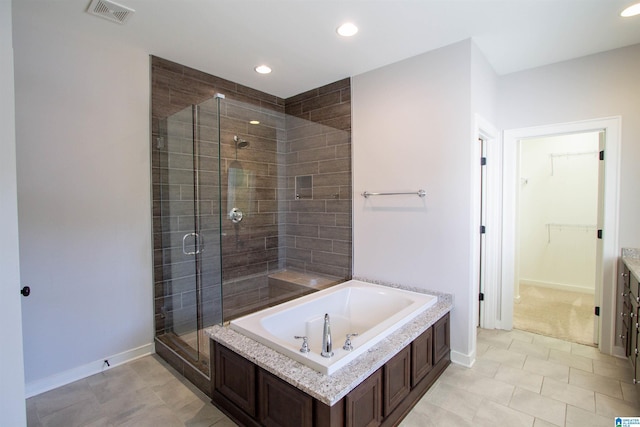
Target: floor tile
174 394
530 349
547 369
486 367
492 414
199 412
630 393
577 417
449 397
571 360
597 383
610 407
539 406
506 357
542 423
496 340
489 388
609 370
520 378
77 415
523 336
552 343
570 394
425 414
57 399
591 353
154 417
126 406
114 382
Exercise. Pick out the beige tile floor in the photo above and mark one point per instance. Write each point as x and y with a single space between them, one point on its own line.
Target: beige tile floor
524 379
519 379
146 392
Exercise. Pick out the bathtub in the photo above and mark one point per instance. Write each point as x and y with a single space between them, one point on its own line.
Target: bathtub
371 311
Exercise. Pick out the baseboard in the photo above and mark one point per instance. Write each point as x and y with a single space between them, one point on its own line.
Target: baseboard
618 351
63 378
466 360
559 286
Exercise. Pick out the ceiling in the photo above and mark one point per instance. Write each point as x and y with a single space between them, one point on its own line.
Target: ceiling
297 38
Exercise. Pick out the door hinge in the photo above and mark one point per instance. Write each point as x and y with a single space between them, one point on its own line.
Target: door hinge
600 234
483 161
602 155
597 311
481 296
483 229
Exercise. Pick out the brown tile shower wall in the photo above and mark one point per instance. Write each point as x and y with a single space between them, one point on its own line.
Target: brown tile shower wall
250 247
318 234
277 231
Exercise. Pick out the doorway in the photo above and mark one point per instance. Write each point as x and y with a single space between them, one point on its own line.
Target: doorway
557 217
607 255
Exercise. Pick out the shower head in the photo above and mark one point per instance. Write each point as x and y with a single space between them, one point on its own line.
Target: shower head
240 143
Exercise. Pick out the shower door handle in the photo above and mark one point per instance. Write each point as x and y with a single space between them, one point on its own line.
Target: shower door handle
196 236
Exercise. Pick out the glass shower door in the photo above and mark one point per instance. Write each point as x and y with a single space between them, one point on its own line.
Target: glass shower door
187 259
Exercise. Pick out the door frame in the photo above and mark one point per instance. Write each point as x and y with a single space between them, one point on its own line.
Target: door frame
608 263
487 311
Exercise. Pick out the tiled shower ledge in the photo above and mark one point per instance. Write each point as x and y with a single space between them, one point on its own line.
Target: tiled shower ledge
631 257
329 389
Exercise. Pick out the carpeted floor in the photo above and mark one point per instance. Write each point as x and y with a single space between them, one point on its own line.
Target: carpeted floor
555 313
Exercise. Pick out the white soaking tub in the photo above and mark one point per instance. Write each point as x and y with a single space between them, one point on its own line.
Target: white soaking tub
371 311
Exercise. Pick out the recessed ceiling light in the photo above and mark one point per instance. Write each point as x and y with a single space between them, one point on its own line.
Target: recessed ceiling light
347 29
262 69
632 10
254 122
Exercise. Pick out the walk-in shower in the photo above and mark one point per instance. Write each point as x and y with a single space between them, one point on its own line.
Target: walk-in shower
231 233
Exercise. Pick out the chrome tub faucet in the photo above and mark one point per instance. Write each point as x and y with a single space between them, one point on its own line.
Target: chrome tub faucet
326 338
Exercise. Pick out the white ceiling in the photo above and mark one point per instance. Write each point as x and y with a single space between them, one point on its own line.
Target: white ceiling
297 38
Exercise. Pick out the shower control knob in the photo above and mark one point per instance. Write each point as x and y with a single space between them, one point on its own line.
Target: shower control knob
25 291
235 215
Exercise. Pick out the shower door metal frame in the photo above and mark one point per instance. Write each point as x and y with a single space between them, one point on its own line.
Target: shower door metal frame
193 242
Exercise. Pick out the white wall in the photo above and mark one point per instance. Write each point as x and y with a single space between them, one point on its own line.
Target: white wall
12 405
412 129
595 86
82 129
558 207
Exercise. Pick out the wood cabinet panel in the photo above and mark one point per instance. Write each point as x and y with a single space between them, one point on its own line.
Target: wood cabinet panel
629 287
441 344
235 379
253 397
281 404
363 405
397 382
421 356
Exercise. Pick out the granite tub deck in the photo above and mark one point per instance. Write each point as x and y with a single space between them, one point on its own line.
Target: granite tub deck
329 389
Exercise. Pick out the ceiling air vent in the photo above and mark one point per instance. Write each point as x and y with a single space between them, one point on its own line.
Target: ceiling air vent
109 10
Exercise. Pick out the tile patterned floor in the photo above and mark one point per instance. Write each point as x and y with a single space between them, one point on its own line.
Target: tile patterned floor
524 379
146 392
519 379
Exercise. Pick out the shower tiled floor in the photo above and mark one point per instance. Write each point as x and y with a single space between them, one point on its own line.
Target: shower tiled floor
519 379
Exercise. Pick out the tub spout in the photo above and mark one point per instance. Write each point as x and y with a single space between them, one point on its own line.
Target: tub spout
326 338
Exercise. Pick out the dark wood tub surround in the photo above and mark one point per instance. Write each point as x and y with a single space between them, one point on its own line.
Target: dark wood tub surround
252 396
